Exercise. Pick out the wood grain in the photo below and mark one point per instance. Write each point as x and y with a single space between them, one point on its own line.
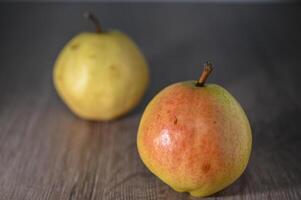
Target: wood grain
48 153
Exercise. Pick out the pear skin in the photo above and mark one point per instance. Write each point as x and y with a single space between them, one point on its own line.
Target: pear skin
101 75
195 137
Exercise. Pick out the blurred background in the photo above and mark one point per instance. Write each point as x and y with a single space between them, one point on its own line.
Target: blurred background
242 40
255 47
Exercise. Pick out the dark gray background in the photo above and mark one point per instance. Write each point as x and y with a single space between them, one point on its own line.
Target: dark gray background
256 51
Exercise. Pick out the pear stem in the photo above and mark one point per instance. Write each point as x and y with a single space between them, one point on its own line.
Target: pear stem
95 21
206 72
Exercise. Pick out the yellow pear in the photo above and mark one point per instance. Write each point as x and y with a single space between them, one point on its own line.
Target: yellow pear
195 137
101 75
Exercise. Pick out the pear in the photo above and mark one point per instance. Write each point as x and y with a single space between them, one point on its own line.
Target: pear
101 75
195 137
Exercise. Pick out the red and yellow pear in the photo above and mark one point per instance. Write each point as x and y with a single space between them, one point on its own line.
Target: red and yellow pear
195 137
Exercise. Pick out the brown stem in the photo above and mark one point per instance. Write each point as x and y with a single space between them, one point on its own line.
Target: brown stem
206 72
93 18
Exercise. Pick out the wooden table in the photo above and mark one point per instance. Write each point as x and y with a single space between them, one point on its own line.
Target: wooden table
48 153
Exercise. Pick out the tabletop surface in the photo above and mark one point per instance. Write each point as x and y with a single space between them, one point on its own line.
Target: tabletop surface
48 153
